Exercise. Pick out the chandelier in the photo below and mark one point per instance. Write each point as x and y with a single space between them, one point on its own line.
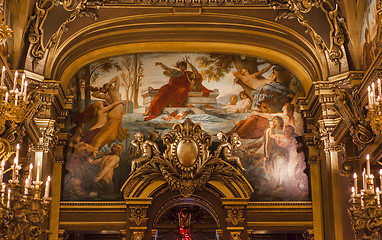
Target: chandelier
366 211
375 106
23 205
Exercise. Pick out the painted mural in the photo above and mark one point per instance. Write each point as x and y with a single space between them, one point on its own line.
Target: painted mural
122 101
371 37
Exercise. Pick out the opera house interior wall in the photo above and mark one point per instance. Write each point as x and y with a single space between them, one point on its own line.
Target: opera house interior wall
190 119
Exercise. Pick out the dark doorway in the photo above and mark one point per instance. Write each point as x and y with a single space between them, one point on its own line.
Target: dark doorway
201 225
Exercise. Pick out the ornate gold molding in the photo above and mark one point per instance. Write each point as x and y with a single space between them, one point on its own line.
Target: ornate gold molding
189 3
187 164
78 8
234 235
308 234
138 235
347 166
348 106
235 214
297 9
138 213
5 31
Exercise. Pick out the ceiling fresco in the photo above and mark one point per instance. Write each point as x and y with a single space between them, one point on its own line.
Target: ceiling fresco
127 100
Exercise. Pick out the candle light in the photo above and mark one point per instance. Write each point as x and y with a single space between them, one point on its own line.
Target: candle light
353 194
30 171
369 96
371 187
9 198
378 197
368 164
17 151
363 179
2 76
374 92
38 170
15 80
26 186
25 91
372 98
39 155
6 96
355 183
15 162
2 171
22 84
47 186
379 87
380 178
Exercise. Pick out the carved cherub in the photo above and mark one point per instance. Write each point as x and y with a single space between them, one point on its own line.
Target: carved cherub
149 150
137 144
226 148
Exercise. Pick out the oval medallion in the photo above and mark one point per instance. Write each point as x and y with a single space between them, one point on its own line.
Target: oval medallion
187 152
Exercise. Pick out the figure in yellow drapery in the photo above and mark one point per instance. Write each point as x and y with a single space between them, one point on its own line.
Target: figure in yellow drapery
112 130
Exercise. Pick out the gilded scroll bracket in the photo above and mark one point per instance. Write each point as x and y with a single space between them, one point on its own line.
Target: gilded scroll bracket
77 8
296 10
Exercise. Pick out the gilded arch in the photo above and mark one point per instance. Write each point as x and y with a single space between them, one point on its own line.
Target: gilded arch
171 33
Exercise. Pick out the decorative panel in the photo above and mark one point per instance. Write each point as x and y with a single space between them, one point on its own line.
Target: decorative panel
126 104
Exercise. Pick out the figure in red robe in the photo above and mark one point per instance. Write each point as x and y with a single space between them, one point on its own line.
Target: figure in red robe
175 92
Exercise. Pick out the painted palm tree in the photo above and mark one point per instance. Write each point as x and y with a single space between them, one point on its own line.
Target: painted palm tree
131 77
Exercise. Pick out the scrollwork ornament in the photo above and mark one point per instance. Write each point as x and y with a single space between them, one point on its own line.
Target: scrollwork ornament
138 213
5 149
5 31
297 9
347 106
235 214
78 8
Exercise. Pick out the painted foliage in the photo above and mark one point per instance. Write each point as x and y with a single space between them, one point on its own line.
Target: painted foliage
132 99
371 33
